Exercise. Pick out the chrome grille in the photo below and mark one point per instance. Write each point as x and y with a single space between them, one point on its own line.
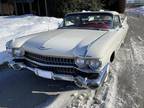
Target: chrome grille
50 60
53 69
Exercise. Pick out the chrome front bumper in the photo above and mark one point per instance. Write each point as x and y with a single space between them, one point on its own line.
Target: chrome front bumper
79 81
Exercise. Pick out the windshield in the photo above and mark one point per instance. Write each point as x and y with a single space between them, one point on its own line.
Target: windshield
89 20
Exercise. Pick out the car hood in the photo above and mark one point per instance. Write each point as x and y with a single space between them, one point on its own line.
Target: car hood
63 42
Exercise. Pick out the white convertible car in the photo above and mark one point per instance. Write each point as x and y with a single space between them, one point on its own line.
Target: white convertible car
81 50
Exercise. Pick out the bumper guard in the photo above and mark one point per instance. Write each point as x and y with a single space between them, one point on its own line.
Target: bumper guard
79 81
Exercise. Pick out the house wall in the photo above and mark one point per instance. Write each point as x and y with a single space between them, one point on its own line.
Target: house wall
36 7
20 7
6 8
0 7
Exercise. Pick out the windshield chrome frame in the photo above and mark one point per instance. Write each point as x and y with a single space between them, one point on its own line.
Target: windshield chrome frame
89 13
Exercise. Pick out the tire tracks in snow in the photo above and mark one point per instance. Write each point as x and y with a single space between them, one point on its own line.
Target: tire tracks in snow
130 73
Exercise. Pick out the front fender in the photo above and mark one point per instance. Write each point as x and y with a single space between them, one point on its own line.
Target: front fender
18 42
104 47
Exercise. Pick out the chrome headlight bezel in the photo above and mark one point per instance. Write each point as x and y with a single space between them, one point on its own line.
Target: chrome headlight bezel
17 52
94 64
9 47
80 62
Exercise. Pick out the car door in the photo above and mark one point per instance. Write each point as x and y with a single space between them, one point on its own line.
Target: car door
120 31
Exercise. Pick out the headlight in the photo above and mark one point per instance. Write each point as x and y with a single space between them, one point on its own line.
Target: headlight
80 62
94 64
9 47
9 51
17 52
85 63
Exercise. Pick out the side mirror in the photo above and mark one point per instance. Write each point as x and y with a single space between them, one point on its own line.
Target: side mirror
120 25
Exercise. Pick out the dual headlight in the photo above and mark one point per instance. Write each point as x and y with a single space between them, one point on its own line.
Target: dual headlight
91 63
17 52
9 47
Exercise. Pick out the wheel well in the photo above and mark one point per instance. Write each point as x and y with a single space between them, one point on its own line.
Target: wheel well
112 57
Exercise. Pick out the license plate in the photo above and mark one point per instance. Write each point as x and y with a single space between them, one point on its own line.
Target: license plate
44 74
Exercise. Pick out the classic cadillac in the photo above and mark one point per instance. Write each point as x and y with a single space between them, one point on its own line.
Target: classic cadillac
81 50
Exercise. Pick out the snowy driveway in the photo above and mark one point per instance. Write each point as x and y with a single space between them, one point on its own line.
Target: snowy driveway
130 62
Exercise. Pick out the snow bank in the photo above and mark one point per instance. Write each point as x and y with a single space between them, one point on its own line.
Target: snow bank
130 1
16 26
138 10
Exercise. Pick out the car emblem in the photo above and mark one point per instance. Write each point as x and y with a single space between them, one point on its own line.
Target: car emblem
43 48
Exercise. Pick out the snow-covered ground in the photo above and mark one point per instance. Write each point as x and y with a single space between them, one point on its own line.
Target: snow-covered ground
12 27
